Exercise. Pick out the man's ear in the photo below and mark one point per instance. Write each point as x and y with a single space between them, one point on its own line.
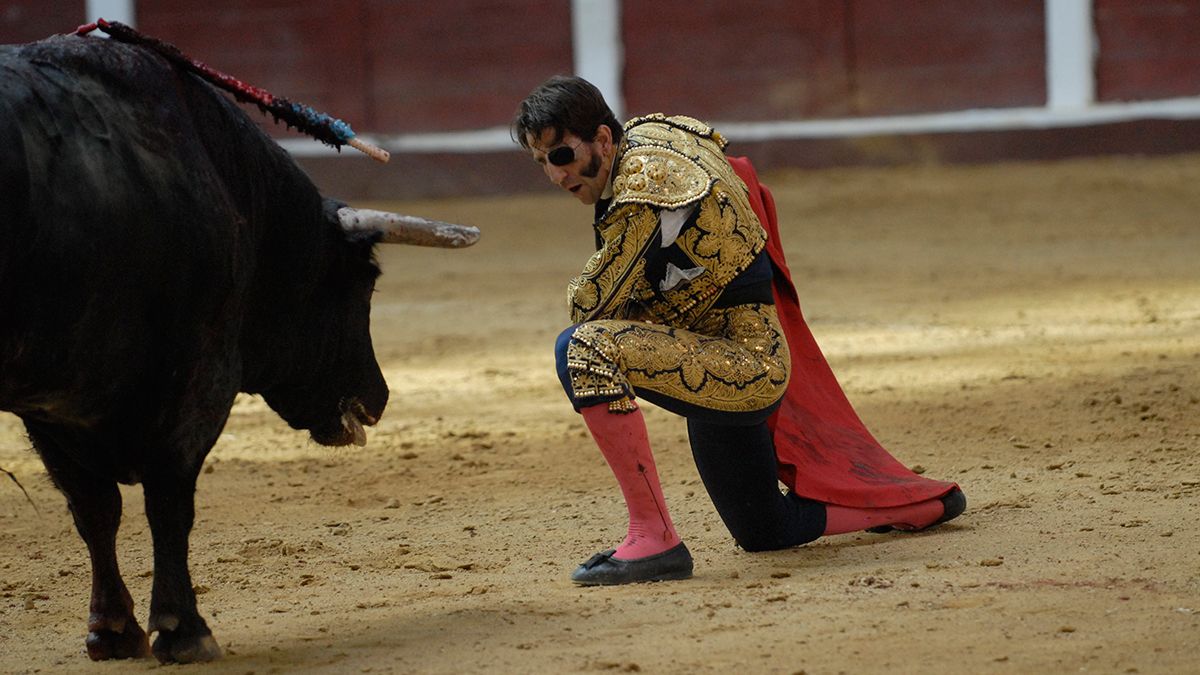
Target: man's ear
604 138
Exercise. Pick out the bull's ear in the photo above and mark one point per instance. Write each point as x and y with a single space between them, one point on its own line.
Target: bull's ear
396 228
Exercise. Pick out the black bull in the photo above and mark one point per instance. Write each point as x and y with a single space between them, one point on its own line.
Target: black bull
159 254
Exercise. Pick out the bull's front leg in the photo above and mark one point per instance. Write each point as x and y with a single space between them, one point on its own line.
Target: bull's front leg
113 631
183 635
95 503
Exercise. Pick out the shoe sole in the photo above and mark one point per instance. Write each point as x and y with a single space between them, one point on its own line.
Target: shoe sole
669 576
671 565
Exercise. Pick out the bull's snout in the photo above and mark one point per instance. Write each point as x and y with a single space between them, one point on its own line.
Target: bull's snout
354 416
348 428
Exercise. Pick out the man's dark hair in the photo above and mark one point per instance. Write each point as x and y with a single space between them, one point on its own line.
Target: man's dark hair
564 104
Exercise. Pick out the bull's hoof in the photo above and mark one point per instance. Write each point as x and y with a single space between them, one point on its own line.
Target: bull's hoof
103 645
172 648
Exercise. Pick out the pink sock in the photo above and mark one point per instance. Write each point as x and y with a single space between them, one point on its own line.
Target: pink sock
840 519
626 447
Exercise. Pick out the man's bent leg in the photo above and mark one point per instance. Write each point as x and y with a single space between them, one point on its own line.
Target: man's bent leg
624 443
910 517
652 550
737 465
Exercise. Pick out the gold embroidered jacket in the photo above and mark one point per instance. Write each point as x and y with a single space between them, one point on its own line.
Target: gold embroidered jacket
667 163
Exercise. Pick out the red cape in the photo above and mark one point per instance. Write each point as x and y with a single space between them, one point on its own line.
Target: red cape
823 449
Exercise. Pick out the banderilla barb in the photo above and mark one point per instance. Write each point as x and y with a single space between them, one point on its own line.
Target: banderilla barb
324 128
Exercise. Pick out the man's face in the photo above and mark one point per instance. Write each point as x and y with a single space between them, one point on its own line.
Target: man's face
586 175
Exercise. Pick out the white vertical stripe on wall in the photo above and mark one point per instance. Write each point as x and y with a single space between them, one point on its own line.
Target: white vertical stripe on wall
1071 48
599 53
1070 54
112 10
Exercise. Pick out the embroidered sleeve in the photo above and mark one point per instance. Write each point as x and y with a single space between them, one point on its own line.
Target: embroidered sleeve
603 290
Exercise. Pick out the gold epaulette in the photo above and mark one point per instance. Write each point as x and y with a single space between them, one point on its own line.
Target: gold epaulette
667 162
690 124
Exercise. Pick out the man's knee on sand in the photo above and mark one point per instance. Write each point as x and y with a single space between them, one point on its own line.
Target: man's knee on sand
804 523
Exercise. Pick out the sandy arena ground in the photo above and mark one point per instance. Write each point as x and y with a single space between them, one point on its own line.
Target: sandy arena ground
1029 330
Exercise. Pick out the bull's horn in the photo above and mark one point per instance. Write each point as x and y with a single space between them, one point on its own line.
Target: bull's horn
413 230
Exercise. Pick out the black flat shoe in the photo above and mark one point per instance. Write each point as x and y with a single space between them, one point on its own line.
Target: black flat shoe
603 569
953 504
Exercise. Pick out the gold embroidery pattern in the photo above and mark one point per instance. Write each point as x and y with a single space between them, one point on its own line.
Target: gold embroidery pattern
671 162
735 361
606 283
727 235
724 243
690 124
659 176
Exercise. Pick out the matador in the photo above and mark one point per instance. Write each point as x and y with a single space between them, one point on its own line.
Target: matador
688 304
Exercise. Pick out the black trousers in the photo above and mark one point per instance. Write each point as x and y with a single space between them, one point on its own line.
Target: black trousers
737 465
